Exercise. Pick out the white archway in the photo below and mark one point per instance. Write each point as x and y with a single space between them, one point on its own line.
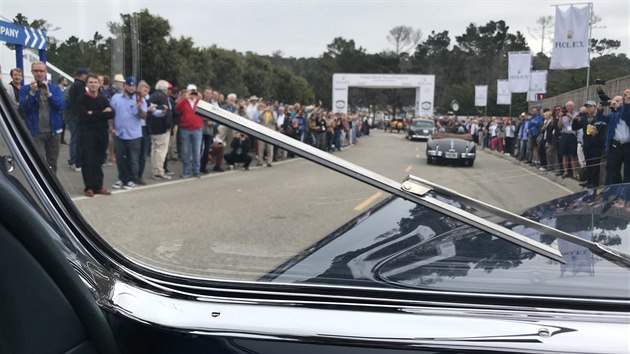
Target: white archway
424 85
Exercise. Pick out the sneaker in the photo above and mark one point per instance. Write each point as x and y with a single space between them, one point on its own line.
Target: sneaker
161 177
141 182
542 169
268 164
231 167
89 193
169 173
130 185
117 185
103 191
218 169
246 168
184 176
197 176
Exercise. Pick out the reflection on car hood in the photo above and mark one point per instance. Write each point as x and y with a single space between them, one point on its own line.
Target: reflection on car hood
400 244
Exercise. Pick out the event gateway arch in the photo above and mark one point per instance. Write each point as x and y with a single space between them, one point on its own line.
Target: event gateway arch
424 85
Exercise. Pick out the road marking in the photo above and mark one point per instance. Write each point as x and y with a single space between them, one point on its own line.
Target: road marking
368 201
408 169
546 179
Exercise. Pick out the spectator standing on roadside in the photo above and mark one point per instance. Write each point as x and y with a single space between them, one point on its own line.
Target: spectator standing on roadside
42 105
130 110
592 142
618 138
190 125
92 126
535 122
76 90
145 143
568 143
523 137
268 119
509 130
159 124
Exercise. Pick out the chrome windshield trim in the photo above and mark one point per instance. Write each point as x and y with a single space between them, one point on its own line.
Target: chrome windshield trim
614 256
376 180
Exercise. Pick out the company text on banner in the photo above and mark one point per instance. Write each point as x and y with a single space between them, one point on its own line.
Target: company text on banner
538 84
481 95
519 66
571 38
504 96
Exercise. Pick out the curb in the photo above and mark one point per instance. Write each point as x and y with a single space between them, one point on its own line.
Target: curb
568 183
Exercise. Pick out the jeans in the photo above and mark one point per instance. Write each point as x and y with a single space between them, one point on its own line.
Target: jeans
145 146
127 156
207 144
337 140
74 159
191 140
522 149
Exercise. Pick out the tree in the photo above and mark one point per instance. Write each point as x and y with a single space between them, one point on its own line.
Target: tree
542 32
604 46
404 38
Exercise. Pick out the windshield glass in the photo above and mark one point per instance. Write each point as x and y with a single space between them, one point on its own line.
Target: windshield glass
422 124
112 112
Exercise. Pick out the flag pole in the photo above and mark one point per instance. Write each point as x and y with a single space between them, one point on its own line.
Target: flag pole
590 34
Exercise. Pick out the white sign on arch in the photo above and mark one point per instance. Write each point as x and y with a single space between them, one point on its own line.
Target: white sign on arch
424 85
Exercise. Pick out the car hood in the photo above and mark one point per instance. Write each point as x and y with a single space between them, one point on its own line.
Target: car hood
398 244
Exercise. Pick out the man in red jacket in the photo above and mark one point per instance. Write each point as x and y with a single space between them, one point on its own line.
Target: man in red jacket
190 126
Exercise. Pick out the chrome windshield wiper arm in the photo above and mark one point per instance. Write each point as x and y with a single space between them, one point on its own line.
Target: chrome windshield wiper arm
615 256
362 174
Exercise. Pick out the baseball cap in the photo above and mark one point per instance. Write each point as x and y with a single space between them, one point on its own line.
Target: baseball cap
191 87
81 71
131 81
119 78
170 86
590 103
523 114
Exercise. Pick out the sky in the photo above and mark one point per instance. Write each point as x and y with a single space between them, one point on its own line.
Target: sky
302 28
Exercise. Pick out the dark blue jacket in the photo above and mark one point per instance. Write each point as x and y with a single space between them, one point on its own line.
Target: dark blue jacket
30 106
612 119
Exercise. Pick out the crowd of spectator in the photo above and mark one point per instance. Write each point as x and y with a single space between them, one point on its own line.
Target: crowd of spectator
581 143
121 122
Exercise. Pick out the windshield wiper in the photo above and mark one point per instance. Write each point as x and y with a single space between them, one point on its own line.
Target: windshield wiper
411 192
617 257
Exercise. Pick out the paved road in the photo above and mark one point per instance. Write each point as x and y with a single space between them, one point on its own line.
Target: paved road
241 224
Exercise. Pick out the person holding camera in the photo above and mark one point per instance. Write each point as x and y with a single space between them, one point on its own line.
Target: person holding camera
42 105
240 151
592 142
618 138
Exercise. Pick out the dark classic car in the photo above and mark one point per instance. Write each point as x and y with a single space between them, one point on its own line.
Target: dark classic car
420 129
425 270
451 148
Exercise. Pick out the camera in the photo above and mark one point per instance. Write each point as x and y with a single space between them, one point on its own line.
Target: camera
41 84
600 82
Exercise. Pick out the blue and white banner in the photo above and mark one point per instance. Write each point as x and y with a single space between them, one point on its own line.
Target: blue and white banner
20 35
571 38
519 67
504 95
481 95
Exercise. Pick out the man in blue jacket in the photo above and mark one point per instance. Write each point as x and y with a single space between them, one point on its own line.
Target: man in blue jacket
533 129
618 138
42 105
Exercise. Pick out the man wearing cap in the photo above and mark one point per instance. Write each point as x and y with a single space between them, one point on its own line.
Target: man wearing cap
159 123
523 136
130 110
76 90
252 107
618 138
592 142
42 105
190 125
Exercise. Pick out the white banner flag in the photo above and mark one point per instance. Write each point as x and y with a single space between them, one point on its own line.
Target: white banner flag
571 38
519 66
537 84
504 95
481 95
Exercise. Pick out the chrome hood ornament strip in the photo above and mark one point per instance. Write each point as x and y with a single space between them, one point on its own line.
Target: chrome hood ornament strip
411 192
